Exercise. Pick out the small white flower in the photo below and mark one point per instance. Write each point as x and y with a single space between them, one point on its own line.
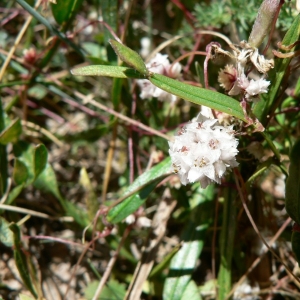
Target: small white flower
233 78
203 151
256 87
161 65
146 46
140 221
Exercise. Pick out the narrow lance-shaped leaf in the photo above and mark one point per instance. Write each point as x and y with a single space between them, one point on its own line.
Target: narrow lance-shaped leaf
198 95
185 260
3 157
109 71
20 259
227 237
133 202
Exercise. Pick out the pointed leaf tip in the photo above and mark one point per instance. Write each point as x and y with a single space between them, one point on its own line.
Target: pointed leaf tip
130 57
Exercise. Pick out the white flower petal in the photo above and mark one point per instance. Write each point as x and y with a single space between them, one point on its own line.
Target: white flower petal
256 87
203 151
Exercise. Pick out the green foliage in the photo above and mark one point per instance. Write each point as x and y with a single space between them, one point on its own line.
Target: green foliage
178 282
292 202
6 235
30 162
130 57
296 244
113 291
64 11
109 71
21 260
11 133
220 13
199 96
139 191
238 16
84 160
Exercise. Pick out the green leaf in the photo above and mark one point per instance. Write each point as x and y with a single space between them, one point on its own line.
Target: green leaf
47 182
191 291
3 156
112 291
20 172
40 159
33 158
185 260
14 193
147 183
292 191
24 152
130 57
89 195
25 297
296 245
11 133
157 270
227 239
38 91
6 235
110 15
65 10
198 95
110 71
20 259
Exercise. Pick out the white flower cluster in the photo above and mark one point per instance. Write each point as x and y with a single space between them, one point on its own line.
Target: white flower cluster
203 151
233 78
161 65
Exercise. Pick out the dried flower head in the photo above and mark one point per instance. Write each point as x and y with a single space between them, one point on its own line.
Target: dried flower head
227 77
203 151
234 79
236 84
